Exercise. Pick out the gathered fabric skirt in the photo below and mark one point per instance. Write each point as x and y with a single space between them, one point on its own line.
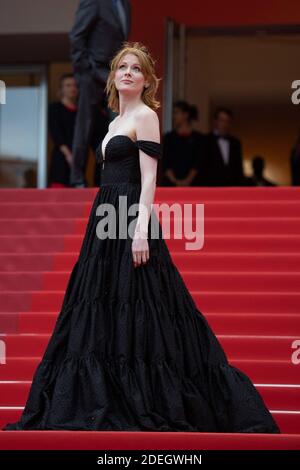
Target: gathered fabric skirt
131 351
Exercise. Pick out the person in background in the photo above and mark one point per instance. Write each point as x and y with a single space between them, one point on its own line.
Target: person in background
182 148
61 118
295 162
258 179
223 153
100 28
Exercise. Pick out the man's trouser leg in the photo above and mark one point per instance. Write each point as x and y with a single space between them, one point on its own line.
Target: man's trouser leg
90 95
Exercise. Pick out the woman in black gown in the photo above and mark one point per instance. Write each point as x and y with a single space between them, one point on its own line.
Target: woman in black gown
62 117
130 350
183 148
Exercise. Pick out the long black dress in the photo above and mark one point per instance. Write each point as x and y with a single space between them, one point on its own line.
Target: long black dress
182 153
61 127
130 350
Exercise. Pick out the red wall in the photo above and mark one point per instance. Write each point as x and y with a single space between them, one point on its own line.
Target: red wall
148 18
217 12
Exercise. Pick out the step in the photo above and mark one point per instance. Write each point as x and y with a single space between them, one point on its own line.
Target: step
198 260
206 302
54 195
281 193
59 210
231 209
103 440
236 346
260 371
185 261
62 209
288 421
222 323
208 281
277 397
42 227
212 243
251 323
229 193
38 244
212 226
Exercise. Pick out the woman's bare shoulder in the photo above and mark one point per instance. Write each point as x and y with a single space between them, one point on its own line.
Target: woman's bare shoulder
146 111
147 124
146 116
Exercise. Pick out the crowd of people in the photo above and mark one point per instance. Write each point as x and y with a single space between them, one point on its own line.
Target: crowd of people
190 157
80 119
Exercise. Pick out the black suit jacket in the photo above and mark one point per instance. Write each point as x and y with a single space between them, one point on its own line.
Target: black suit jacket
216 172
96 36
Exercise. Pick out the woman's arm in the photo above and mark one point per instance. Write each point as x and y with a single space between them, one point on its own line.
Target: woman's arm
147 128
57 132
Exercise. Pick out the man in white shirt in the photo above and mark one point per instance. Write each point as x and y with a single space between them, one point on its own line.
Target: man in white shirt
223 153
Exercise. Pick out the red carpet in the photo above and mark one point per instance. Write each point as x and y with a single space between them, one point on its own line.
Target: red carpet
246 280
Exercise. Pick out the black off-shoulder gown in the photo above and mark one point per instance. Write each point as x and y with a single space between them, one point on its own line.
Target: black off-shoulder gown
130 351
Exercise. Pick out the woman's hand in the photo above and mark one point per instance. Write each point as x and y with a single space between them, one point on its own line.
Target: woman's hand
67 153
140 249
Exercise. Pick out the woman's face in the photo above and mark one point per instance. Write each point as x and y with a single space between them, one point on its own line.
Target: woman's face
129 78
69 88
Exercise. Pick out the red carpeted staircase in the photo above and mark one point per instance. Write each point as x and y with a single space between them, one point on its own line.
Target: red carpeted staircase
246 280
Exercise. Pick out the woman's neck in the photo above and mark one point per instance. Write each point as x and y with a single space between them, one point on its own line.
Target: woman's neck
69 103
128 105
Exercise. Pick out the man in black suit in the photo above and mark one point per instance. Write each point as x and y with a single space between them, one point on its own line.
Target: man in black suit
223 164
100 28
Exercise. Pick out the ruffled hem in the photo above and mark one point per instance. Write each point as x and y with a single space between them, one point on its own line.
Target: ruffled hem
118 394
135 366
